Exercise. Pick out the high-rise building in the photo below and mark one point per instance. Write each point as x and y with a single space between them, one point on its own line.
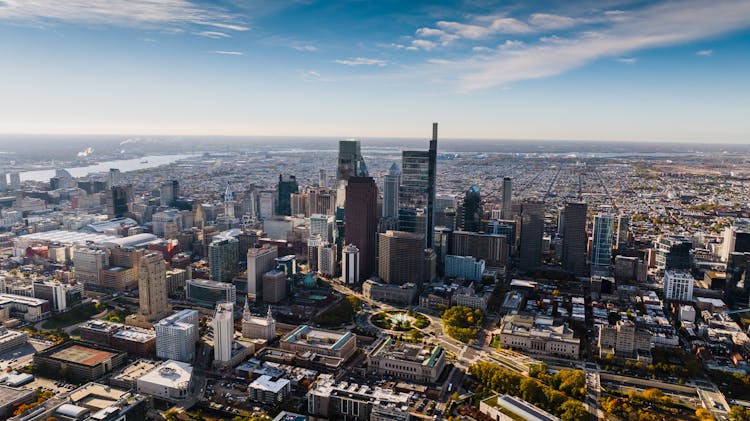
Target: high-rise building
223 256
287 185
118 199
176 336
472 210
391 185
401 257
623 231
574 238
442 247
736 238
52 291
313 243
507 198
113 177
323 178
601 244
492 248
678 285
298 203
152 287
15 181
351 163
417 193
266 204
322 225
169 192
532 230
88 264
321 201
274 286
259 261
673 252
206 293
361 221
350 265
3 182
445 211
327 254
223 325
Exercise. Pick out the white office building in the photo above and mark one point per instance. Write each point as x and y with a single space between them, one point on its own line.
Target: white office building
350 265
176 336
678 285
223 331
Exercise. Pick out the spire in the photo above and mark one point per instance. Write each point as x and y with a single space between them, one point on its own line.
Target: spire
228 196
246 311
269 316
394 170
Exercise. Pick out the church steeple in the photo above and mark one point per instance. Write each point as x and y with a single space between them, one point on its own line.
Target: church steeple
246 312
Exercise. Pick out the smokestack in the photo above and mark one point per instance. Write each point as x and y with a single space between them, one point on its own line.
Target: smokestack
434 131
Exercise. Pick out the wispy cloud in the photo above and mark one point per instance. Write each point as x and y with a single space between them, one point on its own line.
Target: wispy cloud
123 13
627 60
422 44
213 34
664 24
315 76
705 53
227 53
361 61
304 47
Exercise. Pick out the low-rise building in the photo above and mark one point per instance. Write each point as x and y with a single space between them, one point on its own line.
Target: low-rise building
538 335
623 339
390 293
509 408
169 381
323 342
10 339
412 362
269 390
338 401
79 361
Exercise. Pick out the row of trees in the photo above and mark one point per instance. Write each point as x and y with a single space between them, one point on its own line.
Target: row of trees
462 323
495 379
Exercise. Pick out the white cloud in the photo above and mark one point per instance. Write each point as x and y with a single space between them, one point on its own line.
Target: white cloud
481 49
314 76
661 25
548 21
213 34
423 44
626 60
124 13
510 44
705 53
361 61
227 53
305 47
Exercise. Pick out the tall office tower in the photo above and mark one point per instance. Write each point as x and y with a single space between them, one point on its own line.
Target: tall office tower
327 258
3 182
267 204
274 286
390 192
472 210
229 203
445 211
223 255
323 178
601 245
507 198
152 287
118 198
442 247
321 200
169 192
493 249
350 265
88 264
361 219
176 336
736 238
417 193
532 230
250 202
313 244
574 238
561 222
738 270
259 261
623 231
15 181
298 203
322 225
113 177
223 325
287 185
678 285
351 163
401 257
673 252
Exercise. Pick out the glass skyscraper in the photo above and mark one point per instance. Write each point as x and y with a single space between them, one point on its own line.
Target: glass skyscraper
601 246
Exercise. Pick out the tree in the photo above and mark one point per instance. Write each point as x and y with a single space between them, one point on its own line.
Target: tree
739 413
531 391
573 411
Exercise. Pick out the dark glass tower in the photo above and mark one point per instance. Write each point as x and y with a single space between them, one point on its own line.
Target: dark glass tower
361 216
417 192
472 210
287 186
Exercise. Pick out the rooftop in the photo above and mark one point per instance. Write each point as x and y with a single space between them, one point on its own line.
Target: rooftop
80 354
171 373
268 384
306 335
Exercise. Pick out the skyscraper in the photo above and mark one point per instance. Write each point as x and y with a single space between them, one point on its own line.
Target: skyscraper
15 181
391 184
169 192
267 204
223 255
322 225
176 336
113 177
287 185
259 261
3 182
673 252
623 231
472 210
223 325
152 287
417 193
350 265
401 257
532 230
351 163
118 198
361 221
601 245
507 198
574 238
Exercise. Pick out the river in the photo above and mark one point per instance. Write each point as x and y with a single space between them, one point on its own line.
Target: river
124 165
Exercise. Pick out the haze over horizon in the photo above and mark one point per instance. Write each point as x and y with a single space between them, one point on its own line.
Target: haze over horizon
614 70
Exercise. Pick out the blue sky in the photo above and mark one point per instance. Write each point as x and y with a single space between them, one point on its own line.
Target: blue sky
598 70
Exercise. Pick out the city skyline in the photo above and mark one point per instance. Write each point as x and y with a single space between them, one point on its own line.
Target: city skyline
616 70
